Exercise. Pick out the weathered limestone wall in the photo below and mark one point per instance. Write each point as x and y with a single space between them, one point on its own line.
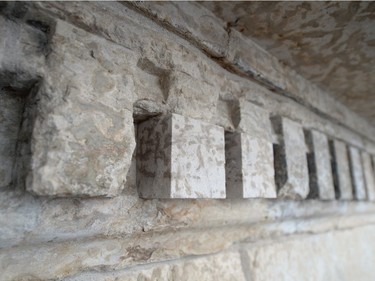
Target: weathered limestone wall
90 90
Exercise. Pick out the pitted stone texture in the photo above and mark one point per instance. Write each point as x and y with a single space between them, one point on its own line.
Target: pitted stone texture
357 173
224 266
342 169
180 157
190 97
82 139
322 172
254 120
249 167
369 175
193 20
292 177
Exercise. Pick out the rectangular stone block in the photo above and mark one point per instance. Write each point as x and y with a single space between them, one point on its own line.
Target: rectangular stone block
249 167
369 175
321 180
180 157
342 170
292 177
357 174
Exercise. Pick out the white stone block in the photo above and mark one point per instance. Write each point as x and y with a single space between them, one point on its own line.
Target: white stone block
342 170
357 174
321 179
180 157
249 167
292 177
369 175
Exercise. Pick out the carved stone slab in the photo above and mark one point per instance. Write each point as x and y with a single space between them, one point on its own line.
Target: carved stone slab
320 166
249 167
180 157
342 170
292 176
357 174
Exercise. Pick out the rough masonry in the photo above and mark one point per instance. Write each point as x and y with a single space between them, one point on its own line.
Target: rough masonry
142 141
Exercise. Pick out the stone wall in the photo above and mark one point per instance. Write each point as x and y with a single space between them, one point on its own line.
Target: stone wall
149 141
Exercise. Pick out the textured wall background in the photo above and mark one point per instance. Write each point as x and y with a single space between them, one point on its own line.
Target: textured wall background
99 65
331 44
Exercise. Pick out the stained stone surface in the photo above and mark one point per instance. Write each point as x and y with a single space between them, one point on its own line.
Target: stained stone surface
86 116
191 98
342 168
253 120
223 266
329 43
180 157
292 177
358 179
321 162
125 236
369 175
249 167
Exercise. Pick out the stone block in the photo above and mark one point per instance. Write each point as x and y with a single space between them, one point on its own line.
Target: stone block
83 136
180 157
321 180
254 120
292 176
342 170
249 167
190 97
357 174
369 175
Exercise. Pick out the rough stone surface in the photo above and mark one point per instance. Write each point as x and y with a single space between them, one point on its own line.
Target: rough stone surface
82 142
191 98
342 171
249 167
307 258
358 179
369 175
191 20
180 157
292 176
149 63
224 266
254 120
333 49
321 180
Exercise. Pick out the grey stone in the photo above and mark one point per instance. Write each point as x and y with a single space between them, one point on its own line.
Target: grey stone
292 177
342 170
83 137
368 171
180 157
192 98
249 167
254 120
193 20
321 180
358 179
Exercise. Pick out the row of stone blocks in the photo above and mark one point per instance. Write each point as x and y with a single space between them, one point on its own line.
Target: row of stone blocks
180 157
